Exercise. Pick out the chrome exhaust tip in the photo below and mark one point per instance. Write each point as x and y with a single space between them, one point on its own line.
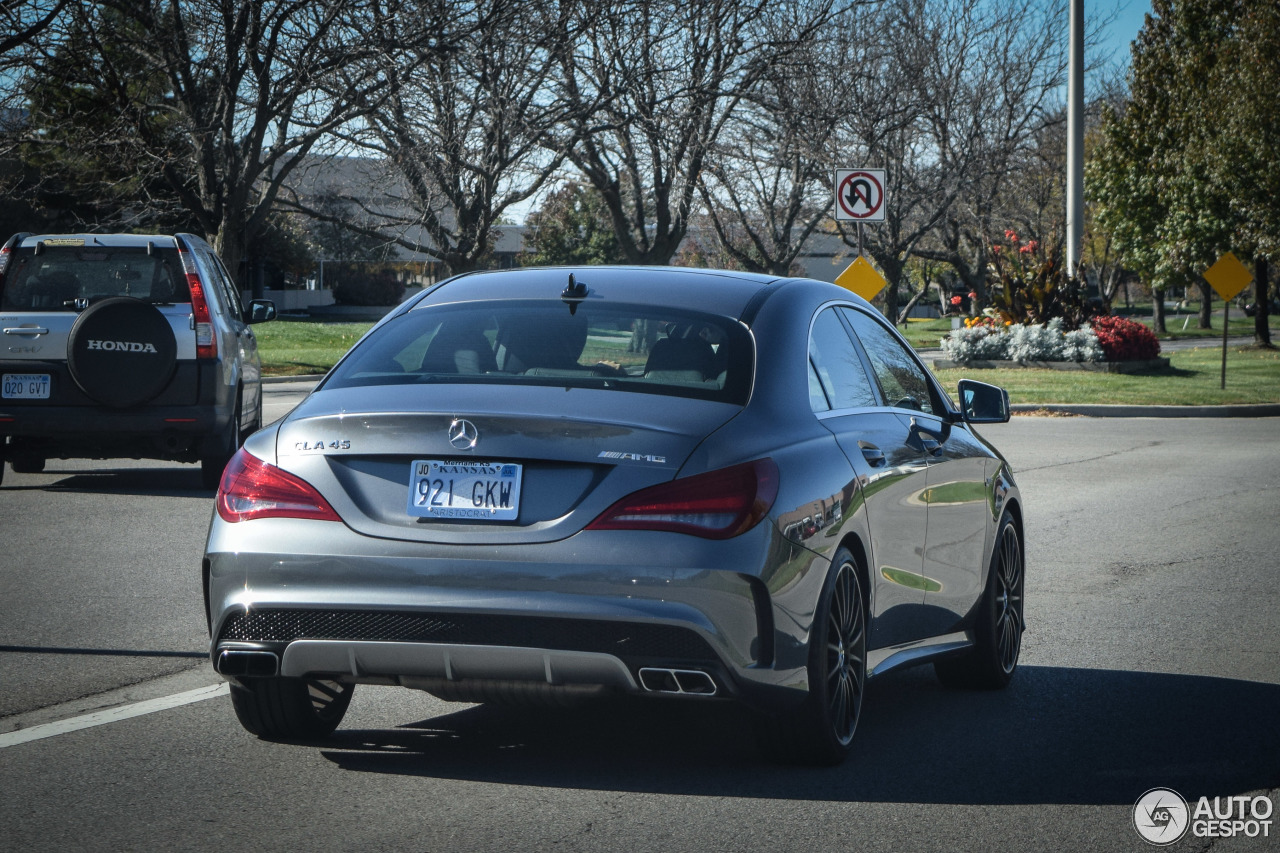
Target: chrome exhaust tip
691 682
247 662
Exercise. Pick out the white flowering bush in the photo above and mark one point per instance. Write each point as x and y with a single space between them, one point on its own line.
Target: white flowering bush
976 343
1045 342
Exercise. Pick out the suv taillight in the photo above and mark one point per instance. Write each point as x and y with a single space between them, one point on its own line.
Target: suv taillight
251 488
206 340
4 265
715 505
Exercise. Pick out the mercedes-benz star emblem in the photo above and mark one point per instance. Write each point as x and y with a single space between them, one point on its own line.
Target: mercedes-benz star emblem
463 434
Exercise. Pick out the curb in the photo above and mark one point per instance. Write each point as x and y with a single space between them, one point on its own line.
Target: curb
1260 410
304 377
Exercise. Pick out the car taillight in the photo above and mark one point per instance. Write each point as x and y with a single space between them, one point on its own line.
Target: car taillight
251 488
715 505
4 264
206 341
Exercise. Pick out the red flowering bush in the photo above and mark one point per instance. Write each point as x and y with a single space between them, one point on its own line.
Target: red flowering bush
1125 340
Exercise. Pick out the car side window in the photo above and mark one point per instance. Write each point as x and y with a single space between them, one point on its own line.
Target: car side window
817 397
836 365
227 289
901 377
233 292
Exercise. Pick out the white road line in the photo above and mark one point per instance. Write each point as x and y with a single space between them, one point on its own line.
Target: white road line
112 715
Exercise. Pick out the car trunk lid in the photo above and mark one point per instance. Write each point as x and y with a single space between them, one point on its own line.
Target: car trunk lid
576 451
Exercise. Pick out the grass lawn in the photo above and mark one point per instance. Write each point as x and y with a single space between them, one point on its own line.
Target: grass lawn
293 348
1181 328
1253 376
922 333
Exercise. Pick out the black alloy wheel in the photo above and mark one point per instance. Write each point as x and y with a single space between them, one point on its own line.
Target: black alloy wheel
1008 601
820 731
846 671
992 660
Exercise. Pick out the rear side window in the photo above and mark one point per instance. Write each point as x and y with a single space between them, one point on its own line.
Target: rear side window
68 278
645 349
835 368
901 378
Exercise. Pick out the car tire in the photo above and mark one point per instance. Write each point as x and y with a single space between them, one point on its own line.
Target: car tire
992 660
121 352
213 464
820 730
24 464
290 708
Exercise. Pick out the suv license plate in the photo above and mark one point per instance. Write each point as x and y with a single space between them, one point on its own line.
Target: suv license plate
25 386
477 491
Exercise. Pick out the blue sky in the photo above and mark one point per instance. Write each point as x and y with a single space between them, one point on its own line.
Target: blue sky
1124 29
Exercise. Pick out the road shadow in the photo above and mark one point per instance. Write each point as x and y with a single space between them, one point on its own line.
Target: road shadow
163 482
1057 735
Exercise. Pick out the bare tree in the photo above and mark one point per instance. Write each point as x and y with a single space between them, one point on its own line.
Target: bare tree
981 78
766 184
21 23
1019 148
655 83
236 93
463 132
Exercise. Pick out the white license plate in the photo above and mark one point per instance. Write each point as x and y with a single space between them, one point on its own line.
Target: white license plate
479 491
25 386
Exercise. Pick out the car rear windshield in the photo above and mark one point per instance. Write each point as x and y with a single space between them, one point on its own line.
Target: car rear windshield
640 348
69 278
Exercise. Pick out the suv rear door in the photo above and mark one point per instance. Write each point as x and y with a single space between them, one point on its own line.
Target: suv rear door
49 284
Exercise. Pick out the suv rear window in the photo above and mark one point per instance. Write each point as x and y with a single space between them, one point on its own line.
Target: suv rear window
646 349
68 278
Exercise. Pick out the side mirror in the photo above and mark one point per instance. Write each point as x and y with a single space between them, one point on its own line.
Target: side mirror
260 311
981 403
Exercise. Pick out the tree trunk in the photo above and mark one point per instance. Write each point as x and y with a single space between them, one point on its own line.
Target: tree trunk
229 244
1157 311
1206 305
1262 311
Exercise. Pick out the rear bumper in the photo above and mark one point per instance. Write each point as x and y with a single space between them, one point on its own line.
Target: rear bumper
180 433
167 428
451 619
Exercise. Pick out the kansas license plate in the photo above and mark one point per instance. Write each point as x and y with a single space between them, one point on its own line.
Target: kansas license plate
25 386
479 491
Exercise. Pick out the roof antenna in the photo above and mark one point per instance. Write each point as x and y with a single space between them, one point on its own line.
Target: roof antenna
573 294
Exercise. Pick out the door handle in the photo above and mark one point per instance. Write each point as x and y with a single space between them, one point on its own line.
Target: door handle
34 331
872 454
929 440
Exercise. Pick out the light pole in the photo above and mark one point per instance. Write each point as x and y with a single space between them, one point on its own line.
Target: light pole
1075 137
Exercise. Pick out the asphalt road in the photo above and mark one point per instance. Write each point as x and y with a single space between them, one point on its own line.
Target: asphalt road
1152 660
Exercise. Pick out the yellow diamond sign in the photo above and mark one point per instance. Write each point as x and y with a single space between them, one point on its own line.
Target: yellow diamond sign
1228 276
862 278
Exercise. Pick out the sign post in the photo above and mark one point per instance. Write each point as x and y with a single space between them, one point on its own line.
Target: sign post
1228 277
860 198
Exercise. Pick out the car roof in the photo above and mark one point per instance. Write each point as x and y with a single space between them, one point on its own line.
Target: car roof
723 292
113 240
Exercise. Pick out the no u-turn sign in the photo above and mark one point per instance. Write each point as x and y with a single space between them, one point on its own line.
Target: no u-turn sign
860 195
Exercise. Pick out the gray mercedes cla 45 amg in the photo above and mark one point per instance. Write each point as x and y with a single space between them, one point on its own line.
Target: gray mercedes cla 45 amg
547 484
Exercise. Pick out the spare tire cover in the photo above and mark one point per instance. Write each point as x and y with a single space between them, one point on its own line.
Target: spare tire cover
122 352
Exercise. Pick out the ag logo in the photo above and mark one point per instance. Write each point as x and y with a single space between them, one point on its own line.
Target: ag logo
1161 816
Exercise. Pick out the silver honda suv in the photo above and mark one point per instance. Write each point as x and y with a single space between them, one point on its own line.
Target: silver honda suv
124 346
